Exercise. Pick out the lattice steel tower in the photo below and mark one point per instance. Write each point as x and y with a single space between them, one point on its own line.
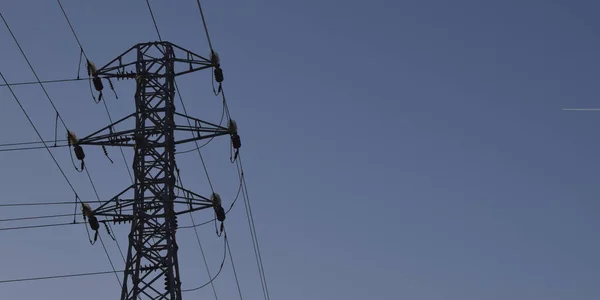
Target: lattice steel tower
157 198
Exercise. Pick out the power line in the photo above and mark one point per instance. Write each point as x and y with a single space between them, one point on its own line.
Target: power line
29 143
44 81
33 71
32 148
34 204
37 132
154 20
104 102
58 116
200 245
203 164
205 27
237 282
225 242
209 140
36 217
54 277
242 178
72 29
252 228
227 212
39 226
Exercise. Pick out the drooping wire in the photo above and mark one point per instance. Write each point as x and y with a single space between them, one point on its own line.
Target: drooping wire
225 242
213 219
209 140
199 243
241 172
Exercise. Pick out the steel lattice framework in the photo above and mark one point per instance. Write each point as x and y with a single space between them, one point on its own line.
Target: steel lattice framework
153 210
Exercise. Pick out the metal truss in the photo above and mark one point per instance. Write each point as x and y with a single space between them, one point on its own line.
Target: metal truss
152 251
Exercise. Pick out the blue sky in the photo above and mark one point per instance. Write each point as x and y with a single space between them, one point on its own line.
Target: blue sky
393 150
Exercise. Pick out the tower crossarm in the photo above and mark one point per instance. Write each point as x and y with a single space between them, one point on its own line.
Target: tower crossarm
124 66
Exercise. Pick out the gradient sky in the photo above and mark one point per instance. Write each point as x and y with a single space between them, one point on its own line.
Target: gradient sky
393 149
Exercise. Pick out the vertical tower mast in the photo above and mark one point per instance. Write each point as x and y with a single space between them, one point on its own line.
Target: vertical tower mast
152 251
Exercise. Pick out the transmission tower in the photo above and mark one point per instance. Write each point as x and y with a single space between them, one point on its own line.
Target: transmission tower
157 198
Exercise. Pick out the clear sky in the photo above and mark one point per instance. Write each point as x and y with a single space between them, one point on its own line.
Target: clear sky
393 149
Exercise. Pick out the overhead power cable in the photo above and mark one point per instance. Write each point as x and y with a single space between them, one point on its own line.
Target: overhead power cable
40 226
242 178
32 148
54 277
29 143
225 243
37 131
104 102
250 217
44 81
35 218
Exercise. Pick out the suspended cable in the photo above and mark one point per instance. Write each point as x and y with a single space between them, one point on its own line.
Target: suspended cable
34 204
205 27
37 132
39 226
72 29
237 282
36 217
213 219
183 106
28 143
54 277
216 275
107 223
154 20
200 245
246 198
209 140
109 227
105 105
33 71
44 81
32 148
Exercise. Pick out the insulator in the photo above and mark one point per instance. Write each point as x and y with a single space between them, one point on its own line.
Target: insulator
166 282
214 59
94 223
86 209
91 68
107 228
79 152
236 141
219 74
72 138
216 199
98 84
220 213
233 128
